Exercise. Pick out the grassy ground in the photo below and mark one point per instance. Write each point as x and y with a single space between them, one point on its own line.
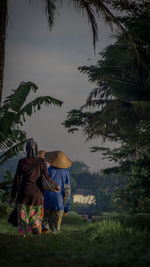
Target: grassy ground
107 243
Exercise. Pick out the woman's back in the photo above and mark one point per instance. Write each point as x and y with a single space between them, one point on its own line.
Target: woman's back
55 200
28 179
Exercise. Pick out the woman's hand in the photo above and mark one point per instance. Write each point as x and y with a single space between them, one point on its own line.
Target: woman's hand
58 188
65 213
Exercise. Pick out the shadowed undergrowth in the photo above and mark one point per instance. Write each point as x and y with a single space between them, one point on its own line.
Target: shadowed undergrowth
107 243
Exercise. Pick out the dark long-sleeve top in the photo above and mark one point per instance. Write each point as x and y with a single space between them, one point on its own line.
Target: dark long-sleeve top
27 183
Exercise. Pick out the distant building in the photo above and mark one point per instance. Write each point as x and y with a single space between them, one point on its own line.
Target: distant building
78 198
83 196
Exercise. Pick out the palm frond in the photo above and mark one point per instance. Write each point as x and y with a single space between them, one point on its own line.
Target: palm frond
13 151
129 5
13 113
110 19
92 20
10 138
86 7
14 102
7 121
119 117
50 10
142 108
18 97
35 105
75 119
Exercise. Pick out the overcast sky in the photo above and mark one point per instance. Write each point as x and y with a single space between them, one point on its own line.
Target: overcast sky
51 59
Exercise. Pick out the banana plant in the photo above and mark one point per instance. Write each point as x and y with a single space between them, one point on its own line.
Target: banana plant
13 114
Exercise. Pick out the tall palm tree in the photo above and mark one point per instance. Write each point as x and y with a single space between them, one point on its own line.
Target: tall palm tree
3 22
93 9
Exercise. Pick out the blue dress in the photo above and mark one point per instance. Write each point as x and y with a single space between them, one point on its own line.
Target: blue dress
55 200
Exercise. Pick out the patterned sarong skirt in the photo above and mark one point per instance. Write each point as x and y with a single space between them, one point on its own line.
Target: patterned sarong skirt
29 218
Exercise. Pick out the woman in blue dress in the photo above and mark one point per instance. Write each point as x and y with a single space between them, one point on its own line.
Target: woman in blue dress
56 203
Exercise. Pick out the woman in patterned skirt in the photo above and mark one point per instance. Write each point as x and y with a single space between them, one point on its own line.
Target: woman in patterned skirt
27 186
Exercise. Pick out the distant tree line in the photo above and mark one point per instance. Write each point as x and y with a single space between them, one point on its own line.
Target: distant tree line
100 186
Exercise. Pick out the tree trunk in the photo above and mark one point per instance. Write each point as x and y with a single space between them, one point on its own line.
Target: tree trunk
3 18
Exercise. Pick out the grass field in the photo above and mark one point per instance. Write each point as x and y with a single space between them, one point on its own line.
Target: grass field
107 243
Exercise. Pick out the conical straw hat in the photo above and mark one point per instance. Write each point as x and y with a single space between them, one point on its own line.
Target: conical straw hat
42 154
58 159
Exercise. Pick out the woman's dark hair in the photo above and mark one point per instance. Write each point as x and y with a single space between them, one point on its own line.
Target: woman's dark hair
31 148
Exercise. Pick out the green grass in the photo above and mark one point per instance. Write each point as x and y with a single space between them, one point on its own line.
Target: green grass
47 250
140 221
107 243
